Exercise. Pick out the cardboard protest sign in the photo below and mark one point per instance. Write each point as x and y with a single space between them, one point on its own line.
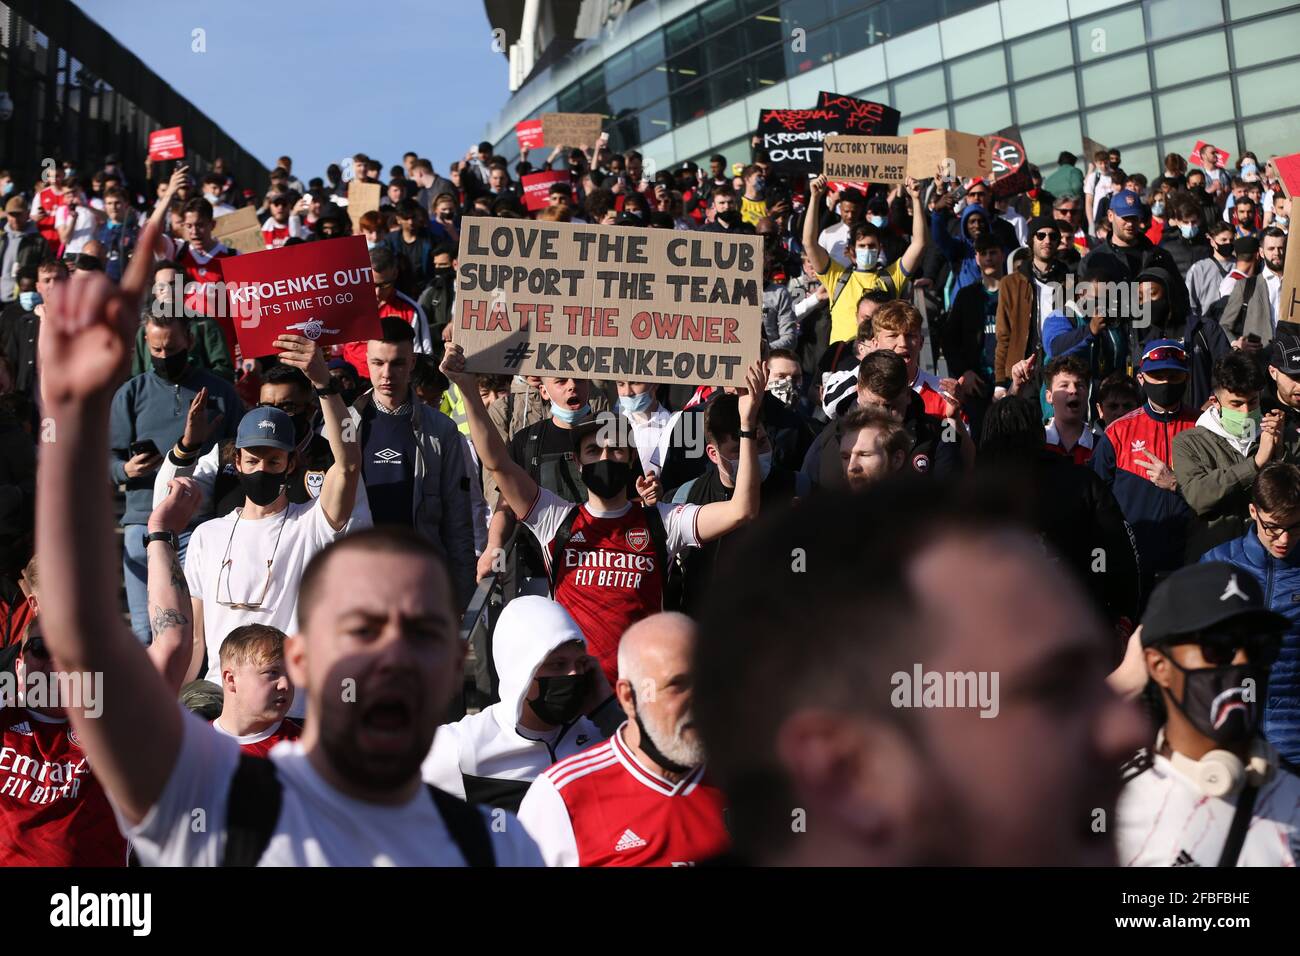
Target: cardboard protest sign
529 134
166 144
861 117
575 300
321 290
793 138
1010 163
571 129
865 159
1288 300
362 198
240 230
1195 157
537 187
958 154
1288 171
1091 148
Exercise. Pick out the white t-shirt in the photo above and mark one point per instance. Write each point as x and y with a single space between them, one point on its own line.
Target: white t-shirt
318 826
248 544
647 429
83 229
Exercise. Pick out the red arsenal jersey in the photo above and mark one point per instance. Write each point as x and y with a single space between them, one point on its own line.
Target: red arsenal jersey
203 269
603 807
49 200
53 811
607 576
261 744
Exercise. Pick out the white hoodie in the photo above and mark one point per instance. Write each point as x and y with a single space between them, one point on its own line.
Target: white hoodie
488 757
1211 421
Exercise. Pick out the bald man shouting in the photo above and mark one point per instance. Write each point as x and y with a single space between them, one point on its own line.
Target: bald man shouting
638 799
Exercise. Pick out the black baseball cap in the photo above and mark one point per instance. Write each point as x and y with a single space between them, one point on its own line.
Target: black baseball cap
1284 354
1246 247
1202 596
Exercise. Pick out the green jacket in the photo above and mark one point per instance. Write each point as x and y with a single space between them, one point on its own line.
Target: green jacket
209 351
1215 474
1065 181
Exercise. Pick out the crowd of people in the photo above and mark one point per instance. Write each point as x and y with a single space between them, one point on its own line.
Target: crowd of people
702 598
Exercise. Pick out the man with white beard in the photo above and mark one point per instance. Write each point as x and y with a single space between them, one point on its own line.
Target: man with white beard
637 799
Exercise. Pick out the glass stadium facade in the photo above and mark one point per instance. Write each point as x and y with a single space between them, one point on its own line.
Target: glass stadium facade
682 79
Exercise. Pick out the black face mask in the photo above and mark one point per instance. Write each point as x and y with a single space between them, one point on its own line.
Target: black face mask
172 367
444 275
303 425
1213 701
1165 394
560 699
652 751
261 487
731 217
606 477
1159 311
1224 249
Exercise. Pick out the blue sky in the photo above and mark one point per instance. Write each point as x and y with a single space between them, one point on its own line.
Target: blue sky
322 80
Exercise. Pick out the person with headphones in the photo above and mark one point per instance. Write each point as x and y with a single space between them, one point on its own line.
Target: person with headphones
1211 791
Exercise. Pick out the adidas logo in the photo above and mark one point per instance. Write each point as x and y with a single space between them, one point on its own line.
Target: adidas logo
628 841
578 538
1185 859
23 728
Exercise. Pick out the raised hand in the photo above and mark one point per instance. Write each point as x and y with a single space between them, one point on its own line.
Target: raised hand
453 366
303 354
197 426
175 511
751 399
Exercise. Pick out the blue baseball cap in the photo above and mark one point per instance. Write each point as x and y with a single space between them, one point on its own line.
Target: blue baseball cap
1126 203
265 427
1159 354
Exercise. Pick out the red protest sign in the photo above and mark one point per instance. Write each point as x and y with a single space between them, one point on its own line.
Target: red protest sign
1288 170
529 133
537 187
1195 157
321 290
167 144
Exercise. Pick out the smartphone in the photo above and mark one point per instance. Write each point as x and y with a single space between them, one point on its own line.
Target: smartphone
146 447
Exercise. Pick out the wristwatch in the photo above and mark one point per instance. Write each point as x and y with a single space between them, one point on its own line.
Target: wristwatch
748 434
331 389
168 536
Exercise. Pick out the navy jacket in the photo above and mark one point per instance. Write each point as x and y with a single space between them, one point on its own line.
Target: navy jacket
1280 578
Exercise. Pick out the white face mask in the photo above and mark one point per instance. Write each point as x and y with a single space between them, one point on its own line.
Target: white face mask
764 466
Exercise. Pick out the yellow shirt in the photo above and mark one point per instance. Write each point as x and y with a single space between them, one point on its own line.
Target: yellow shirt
844 310
751 210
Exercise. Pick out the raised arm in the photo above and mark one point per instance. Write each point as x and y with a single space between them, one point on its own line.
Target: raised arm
169 596
155 239
920 234
85 347
338 493
717 519
818 256
517 487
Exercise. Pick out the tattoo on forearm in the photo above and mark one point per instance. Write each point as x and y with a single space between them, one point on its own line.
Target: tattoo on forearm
178 577
167 617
